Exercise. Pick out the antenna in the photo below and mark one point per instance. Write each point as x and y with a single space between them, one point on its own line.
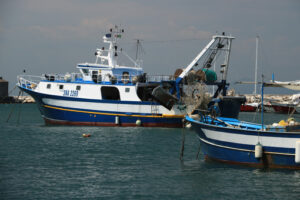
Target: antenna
139 49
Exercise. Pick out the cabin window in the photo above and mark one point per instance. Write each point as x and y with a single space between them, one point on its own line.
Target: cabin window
61 87
127 89
48 86
85 72
78 87
96 76
110 93
125 77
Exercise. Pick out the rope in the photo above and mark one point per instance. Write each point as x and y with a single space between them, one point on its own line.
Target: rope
182 144
291 114
20 106
13 107
198 152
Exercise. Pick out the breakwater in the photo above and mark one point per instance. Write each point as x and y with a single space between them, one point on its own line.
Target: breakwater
17 99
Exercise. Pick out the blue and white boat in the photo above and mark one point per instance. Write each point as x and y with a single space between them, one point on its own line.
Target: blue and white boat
232 141
105 93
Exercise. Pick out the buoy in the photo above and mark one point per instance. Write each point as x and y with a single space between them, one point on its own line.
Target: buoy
258 151
283 123
86 135
188 125
138 122
291 121
297 152
117 120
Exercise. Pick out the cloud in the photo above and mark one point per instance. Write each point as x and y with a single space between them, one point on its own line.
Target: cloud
192 32
85 28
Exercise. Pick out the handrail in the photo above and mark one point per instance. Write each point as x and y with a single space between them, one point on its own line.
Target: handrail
78 77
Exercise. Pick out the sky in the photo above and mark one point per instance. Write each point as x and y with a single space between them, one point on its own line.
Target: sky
43 36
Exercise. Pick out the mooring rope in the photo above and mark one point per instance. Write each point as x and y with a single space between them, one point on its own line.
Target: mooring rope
20 106
11 110
182 144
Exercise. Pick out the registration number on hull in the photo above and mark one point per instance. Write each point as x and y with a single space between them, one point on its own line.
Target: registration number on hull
71 93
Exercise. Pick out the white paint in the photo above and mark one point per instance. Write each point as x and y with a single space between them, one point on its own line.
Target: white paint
251 139
106 107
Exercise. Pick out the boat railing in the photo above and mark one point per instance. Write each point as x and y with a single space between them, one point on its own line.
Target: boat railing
125 78
29 81
158 78
68 77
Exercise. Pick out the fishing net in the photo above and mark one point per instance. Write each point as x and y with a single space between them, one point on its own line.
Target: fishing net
196 95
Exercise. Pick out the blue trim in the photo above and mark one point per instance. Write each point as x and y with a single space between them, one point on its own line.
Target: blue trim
119 83
244 131
88 66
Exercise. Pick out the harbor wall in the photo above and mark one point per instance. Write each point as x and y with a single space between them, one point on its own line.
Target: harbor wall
3 88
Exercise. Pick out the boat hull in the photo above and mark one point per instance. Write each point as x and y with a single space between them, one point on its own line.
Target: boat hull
248 108
283 108
234 146
57 110
63 116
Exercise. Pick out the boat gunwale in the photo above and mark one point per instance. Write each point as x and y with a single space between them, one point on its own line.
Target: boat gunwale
237 130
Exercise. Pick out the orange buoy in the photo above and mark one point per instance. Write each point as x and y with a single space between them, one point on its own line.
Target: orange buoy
86 135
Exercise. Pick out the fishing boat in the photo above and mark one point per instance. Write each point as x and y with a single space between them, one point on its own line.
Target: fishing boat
105 93
256 107
249 107
237 142
283 107
290 105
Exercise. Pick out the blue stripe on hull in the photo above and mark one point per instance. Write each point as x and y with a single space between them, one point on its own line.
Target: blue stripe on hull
247 158
65 115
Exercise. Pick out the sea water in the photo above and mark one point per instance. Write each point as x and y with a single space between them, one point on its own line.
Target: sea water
56 162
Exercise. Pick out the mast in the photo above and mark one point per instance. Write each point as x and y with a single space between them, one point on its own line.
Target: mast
137 48
255 75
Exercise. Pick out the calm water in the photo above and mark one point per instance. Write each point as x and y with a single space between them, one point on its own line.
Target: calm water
56 162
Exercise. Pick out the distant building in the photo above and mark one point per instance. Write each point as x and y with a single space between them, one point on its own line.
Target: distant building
3 88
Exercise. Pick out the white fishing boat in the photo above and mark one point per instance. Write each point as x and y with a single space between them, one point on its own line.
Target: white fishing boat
105 93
